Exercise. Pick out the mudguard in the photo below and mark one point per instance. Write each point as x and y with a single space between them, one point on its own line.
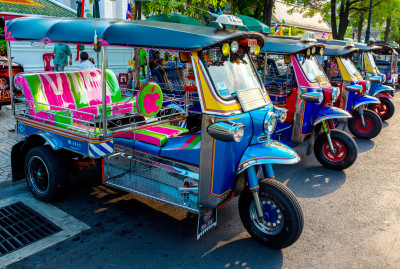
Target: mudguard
268 152
331 113
365 100
51 140
385 95
383 88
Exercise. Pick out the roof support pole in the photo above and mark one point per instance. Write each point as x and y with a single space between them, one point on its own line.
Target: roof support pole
104 88
10 76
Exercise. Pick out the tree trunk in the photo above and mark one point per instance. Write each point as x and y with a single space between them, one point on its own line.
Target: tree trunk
387 30
344 19
267 12
333 19
360 26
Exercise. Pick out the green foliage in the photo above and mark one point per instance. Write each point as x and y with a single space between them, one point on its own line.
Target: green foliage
194 8
294 31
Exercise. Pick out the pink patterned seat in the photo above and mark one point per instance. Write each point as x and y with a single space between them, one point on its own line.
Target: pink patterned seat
78 90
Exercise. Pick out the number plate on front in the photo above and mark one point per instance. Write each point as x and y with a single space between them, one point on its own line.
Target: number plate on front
252 42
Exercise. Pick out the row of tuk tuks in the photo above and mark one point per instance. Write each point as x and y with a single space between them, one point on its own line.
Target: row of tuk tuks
209 132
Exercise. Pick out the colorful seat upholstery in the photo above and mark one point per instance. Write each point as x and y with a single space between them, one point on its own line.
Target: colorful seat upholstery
78 90
156 135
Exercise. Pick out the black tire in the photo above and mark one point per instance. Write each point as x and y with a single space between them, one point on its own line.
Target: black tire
46 173
374 124
290 221
336 161
385 110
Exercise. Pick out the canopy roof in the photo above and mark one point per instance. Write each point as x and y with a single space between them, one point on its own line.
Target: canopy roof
144 34
35 7
335 50
360 46
286 45
253 24
385 48
175 18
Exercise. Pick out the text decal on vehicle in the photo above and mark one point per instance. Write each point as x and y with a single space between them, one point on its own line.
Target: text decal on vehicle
207 219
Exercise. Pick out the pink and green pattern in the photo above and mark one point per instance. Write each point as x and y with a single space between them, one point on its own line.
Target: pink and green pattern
156 135
149 99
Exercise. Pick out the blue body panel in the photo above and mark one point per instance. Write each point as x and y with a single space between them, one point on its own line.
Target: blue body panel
365 100
269 152
378 87
185 148
331 113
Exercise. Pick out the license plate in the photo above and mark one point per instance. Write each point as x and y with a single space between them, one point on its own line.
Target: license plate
252 42
207 220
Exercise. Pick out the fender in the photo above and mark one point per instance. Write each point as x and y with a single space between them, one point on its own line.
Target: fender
268 152
365 100
331 113
51 140
385 95
383 88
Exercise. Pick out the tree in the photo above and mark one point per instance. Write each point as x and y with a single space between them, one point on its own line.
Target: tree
338 12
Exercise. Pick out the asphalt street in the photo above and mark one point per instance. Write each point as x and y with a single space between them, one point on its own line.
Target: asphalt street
351 221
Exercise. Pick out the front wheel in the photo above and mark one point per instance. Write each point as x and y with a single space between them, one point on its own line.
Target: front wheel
373 124
283 218
344 155
385 109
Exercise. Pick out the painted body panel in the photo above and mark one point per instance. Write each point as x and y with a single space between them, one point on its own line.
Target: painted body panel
301 78
365 100
331 113
269 152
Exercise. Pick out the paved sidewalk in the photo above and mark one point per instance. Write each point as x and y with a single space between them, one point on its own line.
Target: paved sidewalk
6 123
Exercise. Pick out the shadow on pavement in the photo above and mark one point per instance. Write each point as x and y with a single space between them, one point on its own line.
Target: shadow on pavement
310 182
364 145
385 124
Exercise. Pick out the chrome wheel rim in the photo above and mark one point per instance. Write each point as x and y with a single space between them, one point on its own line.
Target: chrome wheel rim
38 174
273 217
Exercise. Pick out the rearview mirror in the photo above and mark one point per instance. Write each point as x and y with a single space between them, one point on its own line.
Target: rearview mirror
375 79
354 88
312 97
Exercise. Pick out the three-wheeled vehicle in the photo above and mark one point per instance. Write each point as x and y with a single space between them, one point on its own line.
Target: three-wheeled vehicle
5 96
75 118
370 72
386 59
364 123
295 80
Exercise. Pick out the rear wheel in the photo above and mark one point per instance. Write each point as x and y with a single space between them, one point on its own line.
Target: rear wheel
373 124
46 173
344 155
283 218
385 109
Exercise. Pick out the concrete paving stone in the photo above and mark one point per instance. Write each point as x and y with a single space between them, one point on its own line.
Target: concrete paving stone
6 123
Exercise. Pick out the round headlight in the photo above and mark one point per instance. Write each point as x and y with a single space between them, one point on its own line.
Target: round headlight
234 46
313 50
335 94
271 125
238 135
252 49
257 50
226 49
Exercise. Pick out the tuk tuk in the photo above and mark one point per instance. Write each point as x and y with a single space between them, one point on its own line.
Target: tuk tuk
5 95
79 119
370 72
295 81
365 123
386 59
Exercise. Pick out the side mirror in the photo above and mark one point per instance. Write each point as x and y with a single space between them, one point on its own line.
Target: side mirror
375 79
354 88
312 97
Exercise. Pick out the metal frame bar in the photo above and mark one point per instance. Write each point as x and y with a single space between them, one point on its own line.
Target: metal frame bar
10 77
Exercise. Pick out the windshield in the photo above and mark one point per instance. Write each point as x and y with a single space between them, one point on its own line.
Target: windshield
311 68
371 60
232 74
350 67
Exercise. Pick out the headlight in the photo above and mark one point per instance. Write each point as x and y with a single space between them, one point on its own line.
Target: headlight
226 131
225 49
234 46
335 94
281 113
270 122
313 50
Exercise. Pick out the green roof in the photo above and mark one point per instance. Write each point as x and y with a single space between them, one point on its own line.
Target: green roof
35 7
